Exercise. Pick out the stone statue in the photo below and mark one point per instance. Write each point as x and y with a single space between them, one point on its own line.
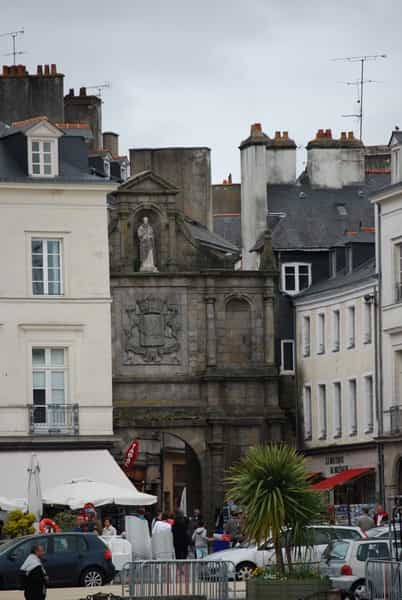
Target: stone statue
146 236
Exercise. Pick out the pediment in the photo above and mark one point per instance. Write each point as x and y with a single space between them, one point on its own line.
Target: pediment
147 183
44 129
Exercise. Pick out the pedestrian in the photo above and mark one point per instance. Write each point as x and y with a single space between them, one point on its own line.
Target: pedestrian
34 575
233 526
181 538
162 539
380 516
200 540
108 529
365 522
194 521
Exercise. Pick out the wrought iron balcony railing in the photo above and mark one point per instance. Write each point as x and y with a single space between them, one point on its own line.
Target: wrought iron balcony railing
54 419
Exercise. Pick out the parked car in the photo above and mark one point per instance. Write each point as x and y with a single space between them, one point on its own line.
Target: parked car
72 559
379 532
247 556
343 561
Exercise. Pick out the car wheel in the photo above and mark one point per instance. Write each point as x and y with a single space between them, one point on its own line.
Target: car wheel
244 570
92 577
359 589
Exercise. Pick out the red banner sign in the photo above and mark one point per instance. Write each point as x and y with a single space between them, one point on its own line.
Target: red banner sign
131 454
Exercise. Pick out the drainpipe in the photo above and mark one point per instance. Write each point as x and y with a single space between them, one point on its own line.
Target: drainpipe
299 445
378 359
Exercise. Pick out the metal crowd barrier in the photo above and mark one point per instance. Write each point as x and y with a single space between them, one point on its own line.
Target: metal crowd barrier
384 579
177 578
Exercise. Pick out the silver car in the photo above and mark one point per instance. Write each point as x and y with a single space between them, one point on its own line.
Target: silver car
343 561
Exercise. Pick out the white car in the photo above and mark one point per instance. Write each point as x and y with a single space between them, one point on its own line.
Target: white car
344 561
247 556
381 532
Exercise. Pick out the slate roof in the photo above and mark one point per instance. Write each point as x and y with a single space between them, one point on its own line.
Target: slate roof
210 239
365 273
397 135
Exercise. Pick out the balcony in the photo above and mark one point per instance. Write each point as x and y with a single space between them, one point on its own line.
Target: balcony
54 419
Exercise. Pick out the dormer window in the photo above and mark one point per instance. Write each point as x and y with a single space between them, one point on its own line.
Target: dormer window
296 277
106 168
43 157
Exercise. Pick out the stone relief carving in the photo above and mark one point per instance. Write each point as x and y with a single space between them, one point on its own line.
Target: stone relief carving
152 335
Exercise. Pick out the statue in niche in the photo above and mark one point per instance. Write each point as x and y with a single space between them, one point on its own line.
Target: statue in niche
146 237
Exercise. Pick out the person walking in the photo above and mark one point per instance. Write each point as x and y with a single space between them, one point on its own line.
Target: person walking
381 516
200 540
181 539
365 522
34 578
108 529
162 539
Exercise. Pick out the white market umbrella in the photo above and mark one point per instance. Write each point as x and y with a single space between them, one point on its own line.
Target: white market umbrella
8 504
78 492
34 489
183 501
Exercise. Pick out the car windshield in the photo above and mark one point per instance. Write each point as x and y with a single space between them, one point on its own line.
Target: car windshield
4 546
336 550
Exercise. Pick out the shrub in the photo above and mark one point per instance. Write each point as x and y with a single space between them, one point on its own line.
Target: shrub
19 524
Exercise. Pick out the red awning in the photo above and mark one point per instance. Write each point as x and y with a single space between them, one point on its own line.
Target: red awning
340 478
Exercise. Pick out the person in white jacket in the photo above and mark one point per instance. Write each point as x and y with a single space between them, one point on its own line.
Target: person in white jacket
162 540
200 540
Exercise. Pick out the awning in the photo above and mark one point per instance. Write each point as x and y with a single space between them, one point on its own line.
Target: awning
58 468
341 478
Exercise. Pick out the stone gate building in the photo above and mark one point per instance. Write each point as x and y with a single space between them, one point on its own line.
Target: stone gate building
193 341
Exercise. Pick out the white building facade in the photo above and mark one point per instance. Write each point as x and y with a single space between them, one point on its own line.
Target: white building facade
55 333
335 361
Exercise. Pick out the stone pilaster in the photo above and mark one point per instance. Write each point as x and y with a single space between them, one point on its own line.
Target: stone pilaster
210 299
269 326
172 240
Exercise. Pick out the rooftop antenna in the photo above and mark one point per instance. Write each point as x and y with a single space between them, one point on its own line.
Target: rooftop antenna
360 83
99 87
13 35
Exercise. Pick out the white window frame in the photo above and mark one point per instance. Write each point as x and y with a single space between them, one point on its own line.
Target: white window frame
337 400
351 324
322 410
353 408
306 335
307 412
283 370
369 397
49 369
336 330
296 266
44 241
321 333
398 270
54 153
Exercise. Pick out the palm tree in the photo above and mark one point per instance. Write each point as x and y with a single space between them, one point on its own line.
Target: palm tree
270 484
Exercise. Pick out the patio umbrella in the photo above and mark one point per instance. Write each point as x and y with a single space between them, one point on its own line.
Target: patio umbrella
34 490
183 501
78 492
8 504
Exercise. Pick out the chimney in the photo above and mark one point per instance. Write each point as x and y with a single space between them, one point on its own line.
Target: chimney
53 70
111 142
83 91
281 159
39 70
335 163
47 70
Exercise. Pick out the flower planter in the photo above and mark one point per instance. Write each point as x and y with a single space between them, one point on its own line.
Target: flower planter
286 589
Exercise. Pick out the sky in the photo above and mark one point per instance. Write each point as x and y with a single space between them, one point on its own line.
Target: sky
199 72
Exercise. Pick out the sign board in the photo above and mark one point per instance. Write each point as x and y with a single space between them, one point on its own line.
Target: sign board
131 454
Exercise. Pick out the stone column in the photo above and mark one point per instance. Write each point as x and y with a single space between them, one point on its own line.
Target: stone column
210 299
124 232
269 328
215 491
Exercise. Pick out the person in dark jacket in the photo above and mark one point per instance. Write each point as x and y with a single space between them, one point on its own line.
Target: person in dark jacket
181 539
34 576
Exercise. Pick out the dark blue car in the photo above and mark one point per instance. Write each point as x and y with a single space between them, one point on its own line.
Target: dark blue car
72 559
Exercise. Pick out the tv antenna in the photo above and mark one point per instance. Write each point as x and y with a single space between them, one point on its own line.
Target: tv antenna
360 83
13 35
100 87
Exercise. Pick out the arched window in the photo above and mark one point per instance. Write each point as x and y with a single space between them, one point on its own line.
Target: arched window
237 346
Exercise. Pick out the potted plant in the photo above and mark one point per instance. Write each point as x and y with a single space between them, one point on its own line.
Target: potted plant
271 485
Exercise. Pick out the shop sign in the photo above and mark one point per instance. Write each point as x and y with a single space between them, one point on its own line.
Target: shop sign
131 454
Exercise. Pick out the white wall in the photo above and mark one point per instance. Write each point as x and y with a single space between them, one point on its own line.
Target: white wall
336 366
281 165
335 167
78 321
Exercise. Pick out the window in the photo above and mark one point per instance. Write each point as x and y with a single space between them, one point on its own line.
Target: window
352 407
351 327
321 333
332 263
21 551
48 387
398 272
43 158
106 168
73 544
342 210
307 412
287 356
374 550
369 397
123 172
46 267
368 326
337 410
336 331
306 336
398 378
322 410
296 277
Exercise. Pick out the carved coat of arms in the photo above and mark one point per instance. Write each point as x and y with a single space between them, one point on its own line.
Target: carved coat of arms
152 335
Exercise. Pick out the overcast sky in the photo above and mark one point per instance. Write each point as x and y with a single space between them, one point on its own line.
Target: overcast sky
198 72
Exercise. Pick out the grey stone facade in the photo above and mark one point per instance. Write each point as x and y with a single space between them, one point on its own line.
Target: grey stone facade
193 345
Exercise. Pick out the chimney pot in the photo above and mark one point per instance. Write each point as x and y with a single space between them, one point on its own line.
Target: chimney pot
83 91
343 135
47 70
71 92
277 135
6 70
230 179
39 70
320 133
328 133
350 135
285 135
53 69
